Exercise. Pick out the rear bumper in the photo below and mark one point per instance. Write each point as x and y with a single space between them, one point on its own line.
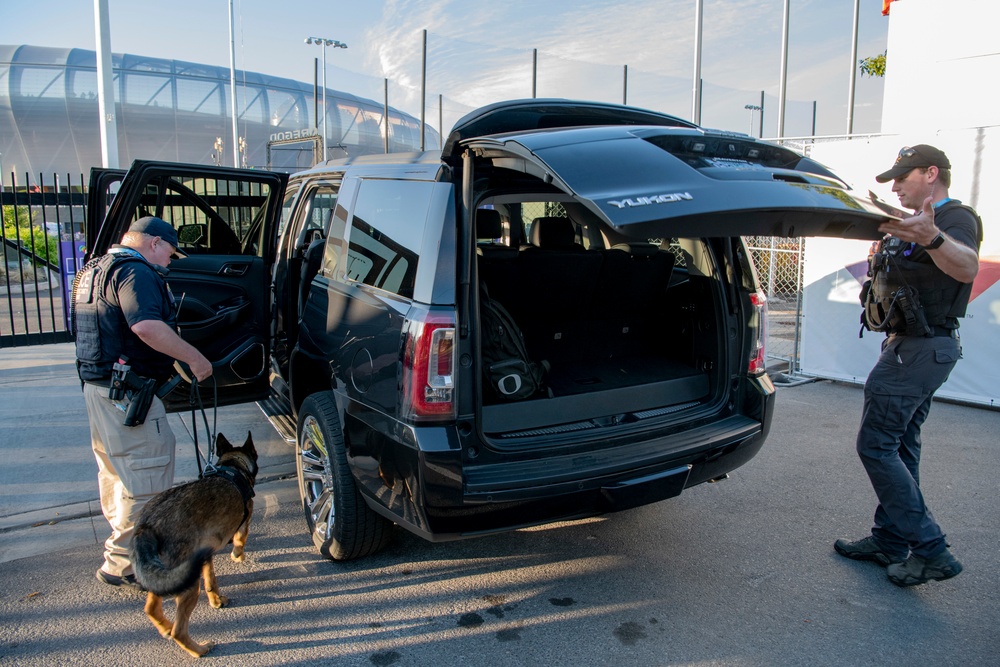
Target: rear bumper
418 480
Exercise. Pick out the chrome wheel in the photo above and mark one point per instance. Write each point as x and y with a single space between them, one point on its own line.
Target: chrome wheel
316 478
342 525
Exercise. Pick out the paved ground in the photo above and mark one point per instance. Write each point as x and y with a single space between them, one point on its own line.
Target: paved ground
48 480
737 573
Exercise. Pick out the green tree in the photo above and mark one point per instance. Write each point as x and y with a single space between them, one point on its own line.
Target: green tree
17 227
873 66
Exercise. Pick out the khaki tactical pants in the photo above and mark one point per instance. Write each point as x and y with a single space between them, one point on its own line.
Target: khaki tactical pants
134 463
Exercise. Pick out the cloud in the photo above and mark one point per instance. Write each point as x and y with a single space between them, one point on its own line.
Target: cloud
479 53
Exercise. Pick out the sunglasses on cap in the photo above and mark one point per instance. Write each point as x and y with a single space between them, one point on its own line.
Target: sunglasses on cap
906 151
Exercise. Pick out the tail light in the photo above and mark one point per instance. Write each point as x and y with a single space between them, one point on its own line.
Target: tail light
758 329
428 369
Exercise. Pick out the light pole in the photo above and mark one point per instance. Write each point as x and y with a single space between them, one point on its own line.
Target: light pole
324 42
752 108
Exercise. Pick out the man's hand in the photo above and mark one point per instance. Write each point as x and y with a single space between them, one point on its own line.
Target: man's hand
201 367
919 228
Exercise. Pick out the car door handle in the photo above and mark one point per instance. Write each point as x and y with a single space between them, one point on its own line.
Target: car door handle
234 269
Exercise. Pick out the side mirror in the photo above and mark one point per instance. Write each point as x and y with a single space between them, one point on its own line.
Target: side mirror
191 235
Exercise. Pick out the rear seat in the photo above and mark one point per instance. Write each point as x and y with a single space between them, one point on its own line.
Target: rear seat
489 231
497 262
569 301
557 278
649 273
634 280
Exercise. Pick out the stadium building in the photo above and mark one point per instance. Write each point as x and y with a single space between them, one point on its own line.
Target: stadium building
176 111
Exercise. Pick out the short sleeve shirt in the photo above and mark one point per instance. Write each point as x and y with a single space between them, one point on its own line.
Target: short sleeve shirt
143 295
959 223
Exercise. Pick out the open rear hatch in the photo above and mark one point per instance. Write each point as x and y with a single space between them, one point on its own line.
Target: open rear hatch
634 312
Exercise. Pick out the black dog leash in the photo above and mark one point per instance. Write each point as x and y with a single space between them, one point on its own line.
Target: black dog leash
196 403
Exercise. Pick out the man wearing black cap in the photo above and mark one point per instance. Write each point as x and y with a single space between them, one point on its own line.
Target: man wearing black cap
123 309
921 280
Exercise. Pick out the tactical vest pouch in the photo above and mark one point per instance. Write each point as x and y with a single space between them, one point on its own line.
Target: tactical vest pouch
914 321
900 314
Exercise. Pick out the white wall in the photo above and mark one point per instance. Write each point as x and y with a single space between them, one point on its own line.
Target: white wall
943 65
942 62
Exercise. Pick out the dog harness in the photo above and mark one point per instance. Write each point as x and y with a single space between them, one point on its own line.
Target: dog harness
239 479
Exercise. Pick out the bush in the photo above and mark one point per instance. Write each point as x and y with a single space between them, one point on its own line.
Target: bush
17 227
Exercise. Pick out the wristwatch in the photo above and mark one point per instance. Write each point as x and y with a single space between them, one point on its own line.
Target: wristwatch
936 242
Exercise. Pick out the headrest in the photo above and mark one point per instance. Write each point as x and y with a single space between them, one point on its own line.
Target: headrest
488 224
638 248
553 233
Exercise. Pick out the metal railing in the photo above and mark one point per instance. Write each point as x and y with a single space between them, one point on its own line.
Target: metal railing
41 237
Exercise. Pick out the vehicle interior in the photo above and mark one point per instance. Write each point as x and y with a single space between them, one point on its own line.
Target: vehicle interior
626 329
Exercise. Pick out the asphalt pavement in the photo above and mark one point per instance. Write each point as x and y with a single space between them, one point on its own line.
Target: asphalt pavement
741 572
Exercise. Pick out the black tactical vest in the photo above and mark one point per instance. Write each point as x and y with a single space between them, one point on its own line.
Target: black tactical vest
97 321
907 293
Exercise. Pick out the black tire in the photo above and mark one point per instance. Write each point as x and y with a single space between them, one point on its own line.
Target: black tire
342 525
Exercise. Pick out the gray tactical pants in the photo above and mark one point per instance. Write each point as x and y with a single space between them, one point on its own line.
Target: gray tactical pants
134 463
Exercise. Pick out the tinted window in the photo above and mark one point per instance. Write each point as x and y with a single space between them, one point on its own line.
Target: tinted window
212 215
318 221
334 242
320 212
385 236
286 207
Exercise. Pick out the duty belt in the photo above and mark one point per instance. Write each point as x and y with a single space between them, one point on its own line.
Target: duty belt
942 332
936 332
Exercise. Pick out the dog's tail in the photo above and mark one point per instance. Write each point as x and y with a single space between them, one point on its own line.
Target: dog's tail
154 575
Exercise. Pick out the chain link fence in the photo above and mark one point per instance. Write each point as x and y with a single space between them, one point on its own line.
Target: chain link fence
779 268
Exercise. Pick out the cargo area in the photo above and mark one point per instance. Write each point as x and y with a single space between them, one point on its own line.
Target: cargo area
624 331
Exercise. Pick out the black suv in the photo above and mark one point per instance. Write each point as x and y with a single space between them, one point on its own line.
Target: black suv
358 293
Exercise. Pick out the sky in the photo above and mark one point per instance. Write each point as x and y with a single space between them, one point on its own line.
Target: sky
481 51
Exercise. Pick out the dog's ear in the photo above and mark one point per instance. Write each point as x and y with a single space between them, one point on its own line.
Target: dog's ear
248 445
222 445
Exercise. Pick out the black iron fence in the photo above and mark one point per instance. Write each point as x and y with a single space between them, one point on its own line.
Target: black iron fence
43 246
42 239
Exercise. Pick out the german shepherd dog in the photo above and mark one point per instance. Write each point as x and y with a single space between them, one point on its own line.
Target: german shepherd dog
180 530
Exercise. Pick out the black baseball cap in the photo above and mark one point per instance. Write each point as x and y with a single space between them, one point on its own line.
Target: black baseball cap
911 157
154 226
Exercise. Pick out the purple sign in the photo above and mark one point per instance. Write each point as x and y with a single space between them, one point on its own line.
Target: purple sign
71 260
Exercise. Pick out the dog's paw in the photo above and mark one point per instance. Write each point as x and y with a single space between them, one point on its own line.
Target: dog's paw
238 557
195 649
218 601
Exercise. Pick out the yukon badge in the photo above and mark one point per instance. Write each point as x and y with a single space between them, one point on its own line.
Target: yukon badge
653 199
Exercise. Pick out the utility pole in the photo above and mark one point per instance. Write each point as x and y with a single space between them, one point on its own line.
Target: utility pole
784 72
696 92
106 87
854 71
423 94
232 86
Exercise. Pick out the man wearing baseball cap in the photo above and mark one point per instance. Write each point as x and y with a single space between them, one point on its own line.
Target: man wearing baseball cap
152 226
124 314
920 283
